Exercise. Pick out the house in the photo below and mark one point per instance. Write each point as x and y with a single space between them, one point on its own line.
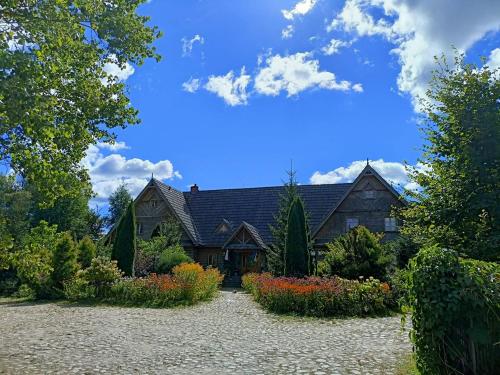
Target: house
229 228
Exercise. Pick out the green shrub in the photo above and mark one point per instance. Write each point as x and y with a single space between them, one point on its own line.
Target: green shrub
321 297
64 261
125 242
354 254
86 251
456 310
399 281
171 257
33 261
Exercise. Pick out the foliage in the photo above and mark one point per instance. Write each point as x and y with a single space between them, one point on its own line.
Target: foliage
33 261
188 284
165 241
297 258
125 242
70 214
321 297
86 251
119 200
94 281
458 206
455 313
403 248
169 232
64 261
172 257
15 206
53 56
104 248
275 256
399 281
356 253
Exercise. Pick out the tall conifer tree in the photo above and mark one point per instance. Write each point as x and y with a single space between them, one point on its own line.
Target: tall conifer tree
125 242
297 257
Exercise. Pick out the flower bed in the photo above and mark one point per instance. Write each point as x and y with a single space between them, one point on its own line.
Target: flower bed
321 297
188 284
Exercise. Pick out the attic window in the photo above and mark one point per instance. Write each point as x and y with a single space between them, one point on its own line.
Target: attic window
368 194
351 222
153 203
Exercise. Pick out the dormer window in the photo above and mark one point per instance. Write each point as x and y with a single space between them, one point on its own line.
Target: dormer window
223 227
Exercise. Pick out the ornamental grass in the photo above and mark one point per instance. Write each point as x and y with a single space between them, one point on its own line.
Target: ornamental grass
320 297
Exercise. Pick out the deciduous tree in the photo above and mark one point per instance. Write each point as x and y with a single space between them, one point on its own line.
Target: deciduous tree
458 206
56 97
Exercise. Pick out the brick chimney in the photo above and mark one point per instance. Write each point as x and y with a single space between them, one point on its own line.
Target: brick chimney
194 188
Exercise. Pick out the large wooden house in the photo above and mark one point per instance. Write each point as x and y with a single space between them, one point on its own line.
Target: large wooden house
229 228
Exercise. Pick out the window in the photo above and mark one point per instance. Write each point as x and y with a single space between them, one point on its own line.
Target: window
368 194
139 228
213 260
391 224
351 222
153 203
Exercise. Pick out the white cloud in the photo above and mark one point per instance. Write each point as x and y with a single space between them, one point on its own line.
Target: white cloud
394 172
116 146
334 46
287 32
420 29
188 44
357 87
107 172
231 88
301 8
192 85
494 59
113 69
293 74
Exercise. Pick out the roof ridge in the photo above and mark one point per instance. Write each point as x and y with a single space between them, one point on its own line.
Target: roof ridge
267 187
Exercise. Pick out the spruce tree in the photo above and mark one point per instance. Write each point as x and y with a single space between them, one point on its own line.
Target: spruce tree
276 253
297 245
125 242
64 260
86 251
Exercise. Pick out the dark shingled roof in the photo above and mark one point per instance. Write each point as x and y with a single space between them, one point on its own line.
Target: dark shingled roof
203 211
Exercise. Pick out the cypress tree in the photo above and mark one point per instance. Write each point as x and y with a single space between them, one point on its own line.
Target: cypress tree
125 242
296 247
64 260
86 251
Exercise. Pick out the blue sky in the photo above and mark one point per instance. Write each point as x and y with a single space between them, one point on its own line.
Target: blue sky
244 87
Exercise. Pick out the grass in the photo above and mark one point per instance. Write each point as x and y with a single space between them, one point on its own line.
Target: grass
407 366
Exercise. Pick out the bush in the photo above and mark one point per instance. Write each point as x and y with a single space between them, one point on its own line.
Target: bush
86 251
354 254
171 257
456 309
188 284
64 261
320 297
33 261
94 281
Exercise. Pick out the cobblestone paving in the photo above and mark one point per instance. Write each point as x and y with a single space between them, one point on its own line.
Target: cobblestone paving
230 335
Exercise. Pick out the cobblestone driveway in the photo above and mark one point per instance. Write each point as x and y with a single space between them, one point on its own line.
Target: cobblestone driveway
229 335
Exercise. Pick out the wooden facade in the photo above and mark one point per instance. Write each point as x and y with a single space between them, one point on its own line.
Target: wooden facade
220 236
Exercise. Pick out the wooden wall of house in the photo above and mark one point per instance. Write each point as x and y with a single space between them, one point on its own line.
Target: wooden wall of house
202 256
150 211
370 202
